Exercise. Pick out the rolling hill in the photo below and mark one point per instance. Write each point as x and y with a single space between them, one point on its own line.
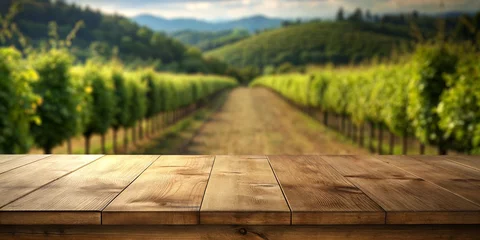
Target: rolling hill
315 42
251 24
210 40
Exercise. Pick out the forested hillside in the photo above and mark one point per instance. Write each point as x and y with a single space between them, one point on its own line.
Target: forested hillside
316 42
104 36
210 40
348 39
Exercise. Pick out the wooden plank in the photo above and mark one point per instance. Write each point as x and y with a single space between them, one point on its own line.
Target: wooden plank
23 180
78 197
408 199
170 191
226 232
468 160
9 162
459 179
8 157
318 194
243 190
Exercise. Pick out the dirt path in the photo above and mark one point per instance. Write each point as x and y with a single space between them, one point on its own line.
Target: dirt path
257 121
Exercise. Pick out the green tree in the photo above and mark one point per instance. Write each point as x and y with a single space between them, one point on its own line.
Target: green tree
137 106
459 108
340 15
357 15
18 103
426 89
121 103
103 104
58 112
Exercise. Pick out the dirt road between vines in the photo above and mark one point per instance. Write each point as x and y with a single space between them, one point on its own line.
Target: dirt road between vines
257 121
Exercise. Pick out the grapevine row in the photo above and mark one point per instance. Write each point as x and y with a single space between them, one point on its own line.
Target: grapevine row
433 95
46 100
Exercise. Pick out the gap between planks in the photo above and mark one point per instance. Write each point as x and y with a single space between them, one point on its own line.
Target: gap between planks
283 191
106 205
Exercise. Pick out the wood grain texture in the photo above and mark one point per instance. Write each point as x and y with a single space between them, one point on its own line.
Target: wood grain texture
455 177
23 180
225 232
468 160
170 191
87 191
243 190
407 198
9 162
318 194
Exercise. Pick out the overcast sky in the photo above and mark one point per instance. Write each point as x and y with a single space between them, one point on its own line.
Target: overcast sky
232 9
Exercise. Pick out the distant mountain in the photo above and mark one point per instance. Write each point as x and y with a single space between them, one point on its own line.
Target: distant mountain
251 24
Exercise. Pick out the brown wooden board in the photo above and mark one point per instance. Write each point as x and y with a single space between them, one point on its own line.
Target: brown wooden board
457 178
318 194
243 190
226 232
9 162
23 180
78 197
468 160
170 191
407 198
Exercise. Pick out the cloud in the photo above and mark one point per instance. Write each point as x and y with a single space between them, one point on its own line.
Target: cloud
225 9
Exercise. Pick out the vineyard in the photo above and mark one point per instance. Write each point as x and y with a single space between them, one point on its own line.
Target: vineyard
433 96
46 100
61 84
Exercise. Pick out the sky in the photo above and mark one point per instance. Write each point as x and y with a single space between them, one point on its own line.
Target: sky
233 9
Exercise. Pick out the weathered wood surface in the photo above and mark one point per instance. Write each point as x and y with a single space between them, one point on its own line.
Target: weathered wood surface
79 197
471 161
9 162
170 191
243 190
23 180
318 194
210 191
457 178
407 198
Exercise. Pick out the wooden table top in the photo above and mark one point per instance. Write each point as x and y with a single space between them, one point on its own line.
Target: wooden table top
238 190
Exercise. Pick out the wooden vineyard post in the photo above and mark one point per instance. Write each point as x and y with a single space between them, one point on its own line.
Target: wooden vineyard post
69 146
380 139
134 134
102 140
405 142
325 118
372 136
362 134
114 140
87 144
125 140
392 143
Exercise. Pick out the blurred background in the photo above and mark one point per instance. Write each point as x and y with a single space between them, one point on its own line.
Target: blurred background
240 77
